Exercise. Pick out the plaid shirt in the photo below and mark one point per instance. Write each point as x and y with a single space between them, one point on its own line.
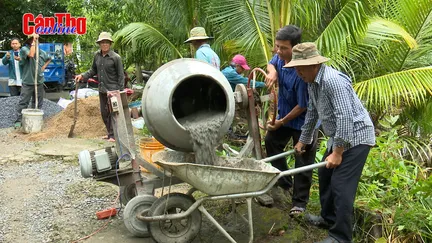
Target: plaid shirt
344 119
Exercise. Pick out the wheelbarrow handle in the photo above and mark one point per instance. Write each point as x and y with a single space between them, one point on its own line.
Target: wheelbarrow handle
278 156
302 169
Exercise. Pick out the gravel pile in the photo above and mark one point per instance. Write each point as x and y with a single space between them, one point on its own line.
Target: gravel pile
8 107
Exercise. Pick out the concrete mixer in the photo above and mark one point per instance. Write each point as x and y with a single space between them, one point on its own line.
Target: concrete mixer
178 89
182 88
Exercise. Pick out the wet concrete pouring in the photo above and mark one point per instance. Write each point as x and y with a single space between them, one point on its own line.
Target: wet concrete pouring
204 128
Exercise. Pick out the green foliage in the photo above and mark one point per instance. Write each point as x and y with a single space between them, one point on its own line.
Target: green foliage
12 12
397 189
145 131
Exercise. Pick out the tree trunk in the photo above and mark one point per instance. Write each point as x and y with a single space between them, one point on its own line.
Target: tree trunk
138 73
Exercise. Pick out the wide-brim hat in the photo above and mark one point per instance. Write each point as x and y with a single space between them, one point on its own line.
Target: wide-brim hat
305 54
198 33
104 36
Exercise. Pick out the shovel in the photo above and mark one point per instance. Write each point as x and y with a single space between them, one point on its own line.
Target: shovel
75 111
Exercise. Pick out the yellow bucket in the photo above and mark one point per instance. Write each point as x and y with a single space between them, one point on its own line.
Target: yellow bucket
148 147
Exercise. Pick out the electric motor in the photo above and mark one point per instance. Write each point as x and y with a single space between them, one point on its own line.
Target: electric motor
93 163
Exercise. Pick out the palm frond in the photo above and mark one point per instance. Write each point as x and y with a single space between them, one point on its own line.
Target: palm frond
245 21
415 149
144 39
418 119
314 16
370 57
381 29
422 56
348 26
414 18
409 87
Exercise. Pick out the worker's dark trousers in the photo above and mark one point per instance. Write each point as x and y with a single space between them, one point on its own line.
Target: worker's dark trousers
338 188
106 114
14 90
275 143
27 94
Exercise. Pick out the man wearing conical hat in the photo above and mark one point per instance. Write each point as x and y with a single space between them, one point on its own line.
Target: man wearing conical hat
108 67
199 40
346 122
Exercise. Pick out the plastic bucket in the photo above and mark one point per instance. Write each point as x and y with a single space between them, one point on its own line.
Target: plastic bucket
148 147
32 120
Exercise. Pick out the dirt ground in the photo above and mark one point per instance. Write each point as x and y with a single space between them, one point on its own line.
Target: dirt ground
43 198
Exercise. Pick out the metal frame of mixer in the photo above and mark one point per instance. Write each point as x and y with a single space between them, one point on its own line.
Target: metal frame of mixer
131 178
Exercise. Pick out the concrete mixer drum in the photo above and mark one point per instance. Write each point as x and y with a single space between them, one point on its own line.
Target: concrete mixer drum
182 88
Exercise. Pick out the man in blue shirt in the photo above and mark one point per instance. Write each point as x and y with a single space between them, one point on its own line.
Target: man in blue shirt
198 38
12 59
235 69
292 105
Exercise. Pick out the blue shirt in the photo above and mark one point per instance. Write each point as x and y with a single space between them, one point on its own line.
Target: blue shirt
234 78
292 91
206 54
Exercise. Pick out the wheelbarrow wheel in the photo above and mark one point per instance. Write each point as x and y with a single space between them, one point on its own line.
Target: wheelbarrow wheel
127 193
137 205
175 231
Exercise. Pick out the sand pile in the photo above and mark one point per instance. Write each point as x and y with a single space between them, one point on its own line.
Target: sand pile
89 122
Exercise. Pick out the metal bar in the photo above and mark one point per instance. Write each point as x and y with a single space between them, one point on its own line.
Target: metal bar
230 196
251 232
253 125
247 148
277 156
220 228
230 150
272 183
193 207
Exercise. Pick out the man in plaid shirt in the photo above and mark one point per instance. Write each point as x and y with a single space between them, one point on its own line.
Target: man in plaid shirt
346 122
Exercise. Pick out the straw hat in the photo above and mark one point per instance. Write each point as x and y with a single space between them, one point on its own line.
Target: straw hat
305 54
104 36
197 33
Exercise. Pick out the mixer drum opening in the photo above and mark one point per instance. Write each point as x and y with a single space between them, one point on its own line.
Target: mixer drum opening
198 94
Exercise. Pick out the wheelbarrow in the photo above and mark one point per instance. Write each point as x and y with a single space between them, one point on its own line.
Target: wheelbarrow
176 217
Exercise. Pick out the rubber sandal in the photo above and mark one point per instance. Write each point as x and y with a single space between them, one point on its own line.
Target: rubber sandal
295 211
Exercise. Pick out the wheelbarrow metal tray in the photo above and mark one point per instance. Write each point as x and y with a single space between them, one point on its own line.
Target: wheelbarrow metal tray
217 180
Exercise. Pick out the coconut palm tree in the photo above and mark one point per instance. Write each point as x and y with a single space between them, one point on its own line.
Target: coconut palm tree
162 32
377 42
